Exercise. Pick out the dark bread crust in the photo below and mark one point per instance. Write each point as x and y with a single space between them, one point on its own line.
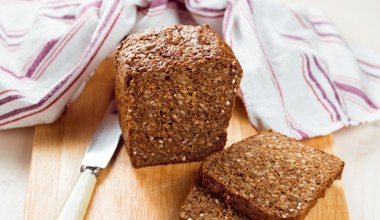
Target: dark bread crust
270 176
175 89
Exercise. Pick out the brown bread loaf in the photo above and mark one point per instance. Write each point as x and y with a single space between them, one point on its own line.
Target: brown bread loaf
270 176
201 205
175 88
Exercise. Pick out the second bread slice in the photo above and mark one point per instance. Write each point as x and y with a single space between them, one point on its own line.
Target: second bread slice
201 205
270 176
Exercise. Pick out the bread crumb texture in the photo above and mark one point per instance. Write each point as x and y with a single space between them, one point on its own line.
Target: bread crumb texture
270 176
201 205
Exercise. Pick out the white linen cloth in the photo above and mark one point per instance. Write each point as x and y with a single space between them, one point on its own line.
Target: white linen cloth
300 77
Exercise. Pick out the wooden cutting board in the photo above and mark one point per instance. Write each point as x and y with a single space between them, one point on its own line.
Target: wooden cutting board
123 192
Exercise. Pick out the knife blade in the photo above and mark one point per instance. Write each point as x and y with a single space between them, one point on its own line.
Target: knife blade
99 153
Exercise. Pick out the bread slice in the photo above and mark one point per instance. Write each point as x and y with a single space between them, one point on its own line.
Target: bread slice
175 88
201 205
270 176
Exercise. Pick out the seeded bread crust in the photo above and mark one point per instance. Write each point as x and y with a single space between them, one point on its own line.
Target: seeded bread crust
270 176
199 205
175 89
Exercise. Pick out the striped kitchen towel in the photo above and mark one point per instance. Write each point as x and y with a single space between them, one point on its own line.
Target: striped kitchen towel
300 77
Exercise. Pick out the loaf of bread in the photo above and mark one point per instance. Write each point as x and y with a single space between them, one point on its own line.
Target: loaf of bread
175 89
270 176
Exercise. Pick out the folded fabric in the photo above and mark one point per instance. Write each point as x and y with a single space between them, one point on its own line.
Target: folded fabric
49 50
300 77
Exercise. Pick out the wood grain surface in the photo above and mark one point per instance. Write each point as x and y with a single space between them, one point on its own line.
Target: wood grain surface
123 192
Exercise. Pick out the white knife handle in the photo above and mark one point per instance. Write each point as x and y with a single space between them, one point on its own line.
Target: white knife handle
76 204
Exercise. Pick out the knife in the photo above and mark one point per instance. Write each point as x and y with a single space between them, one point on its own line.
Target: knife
103 145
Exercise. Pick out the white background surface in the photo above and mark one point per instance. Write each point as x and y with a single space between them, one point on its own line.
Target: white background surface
358 22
